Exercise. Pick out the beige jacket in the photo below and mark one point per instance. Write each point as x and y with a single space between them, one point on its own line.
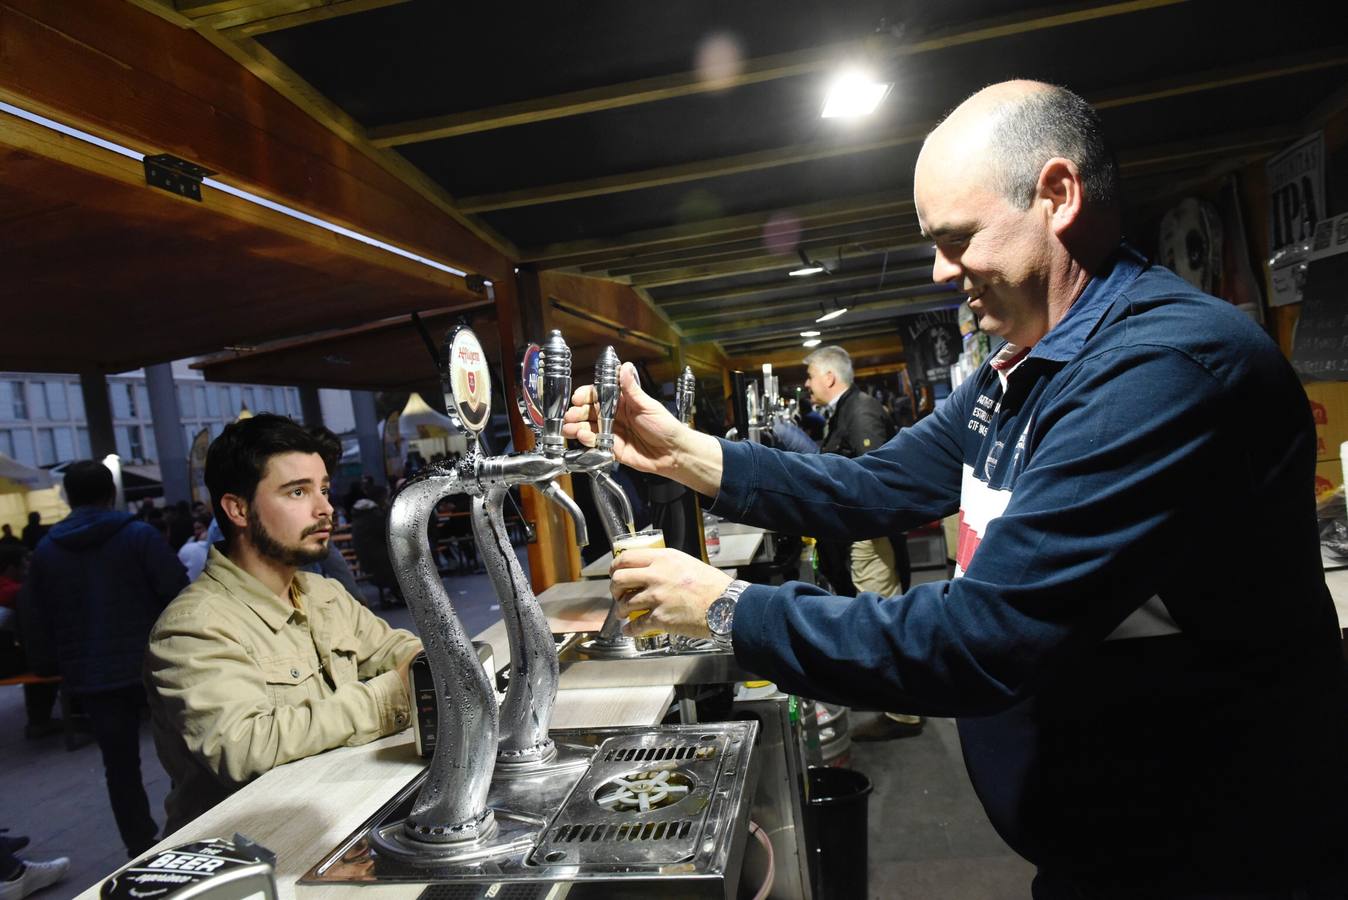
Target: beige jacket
240 681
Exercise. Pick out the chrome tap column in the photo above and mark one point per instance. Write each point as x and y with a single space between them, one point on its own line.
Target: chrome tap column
453 805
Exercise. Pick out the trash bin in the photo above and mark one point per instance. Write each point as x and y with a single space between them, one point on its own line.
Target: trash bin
835 826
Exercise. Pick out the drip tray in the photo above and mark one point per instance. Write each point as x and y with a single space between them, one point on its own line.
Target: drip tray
583 665
657 809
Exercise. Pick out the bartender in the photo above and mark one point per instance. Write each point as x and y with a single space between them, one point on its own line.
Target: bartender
258 663
1138 643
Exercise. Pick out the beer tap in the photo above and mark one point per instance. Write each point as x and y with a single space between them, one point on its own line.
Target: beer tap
473 738
611 501
615 509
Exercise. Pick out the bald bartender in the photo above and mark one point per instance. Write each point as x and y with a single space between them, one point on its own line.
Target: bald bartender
1138 644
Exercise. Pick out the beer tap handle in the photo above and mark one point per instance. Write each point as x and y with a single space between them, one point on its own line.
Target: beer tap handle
606 390
556 392
685 391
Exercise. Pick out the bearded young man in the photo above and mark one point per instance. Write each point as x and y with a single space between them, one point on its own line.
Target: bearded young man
257 663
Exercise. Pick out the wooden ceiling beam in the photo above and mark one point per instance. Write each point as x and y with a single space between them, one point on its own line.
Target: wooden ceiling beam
1188 154
747 225
268 67
791 357
763 263
784 156
687 301
278 15
697 170
143 81
824 249
753 71
877 299
895 279
822 234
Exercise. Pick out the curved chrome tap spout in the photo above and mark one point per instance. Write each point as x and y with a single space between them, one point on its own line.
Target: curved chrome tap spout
452 806
527 709
553 491
615 509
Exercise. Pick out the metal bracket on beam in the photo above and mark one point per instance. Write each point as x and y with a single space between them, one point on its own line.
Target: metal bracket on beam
177 176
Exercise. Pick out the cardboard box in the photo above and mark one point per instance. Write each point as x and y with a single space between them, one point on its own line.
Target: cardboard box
1328 478
1329 408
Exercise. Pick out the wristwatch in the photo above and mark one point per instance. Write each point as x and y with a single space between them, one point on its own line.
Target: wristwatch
721 613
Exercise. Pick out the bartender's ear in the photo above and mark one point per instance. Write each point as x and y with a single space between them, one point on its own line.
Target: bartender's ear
1060 193
235 509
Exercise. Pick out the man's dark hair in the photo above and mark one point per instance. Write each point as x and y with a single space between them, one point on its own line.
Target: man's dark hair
238 458
89 483
1048 123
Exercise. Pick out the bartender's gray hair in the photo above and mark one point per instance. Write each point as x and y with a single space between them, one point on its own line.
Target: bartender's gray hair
833 359
1043 124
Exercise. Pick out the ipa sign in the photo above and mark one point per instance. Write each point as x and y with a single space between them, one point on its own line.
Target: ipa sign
1296 202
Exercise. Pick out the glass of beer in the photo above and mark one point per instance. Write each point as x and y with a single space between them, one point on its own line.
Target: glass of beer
645 539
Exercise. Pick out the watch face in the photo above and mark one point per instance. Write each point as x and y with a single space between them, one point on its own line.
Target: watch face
720 616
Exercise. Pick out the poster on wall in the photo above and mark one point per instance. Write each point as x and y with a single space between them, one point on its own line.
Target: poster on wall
931 344
1296 202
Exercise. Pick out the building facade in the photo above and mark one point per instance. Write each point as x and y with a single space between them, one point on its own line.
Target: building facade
42 420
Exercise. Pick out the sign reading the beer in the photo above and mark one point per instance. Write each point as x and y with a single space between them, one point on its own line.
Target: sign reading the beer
469 380
1296 185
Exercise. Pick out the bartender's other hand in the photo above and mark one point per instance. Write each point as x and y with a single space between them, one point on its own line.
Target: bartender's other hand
644 431
670 589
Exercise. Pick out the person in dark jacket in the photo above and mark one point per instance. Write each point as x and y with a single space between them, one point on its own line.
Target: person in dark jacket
855 423
33 531
98 581
1139 644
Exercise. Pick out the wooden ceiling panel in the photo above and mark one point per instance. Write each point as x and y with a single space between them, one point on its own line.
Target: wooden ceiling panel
116 274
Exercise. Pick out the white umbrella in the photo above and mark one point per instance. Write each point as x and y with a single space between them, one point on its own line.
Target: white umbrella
26 477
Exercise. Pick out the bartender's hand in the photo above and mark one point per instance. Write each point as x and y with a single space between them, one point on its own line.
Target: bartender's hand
644 431
671 589
647 436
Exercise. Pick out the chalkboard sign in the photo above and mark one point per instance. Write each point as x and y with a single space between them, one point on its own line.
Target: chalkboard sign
1320 346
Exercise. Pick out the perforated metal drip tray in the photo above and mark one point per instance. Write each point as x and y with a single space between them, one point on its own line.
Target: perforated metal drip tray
656 805
703 662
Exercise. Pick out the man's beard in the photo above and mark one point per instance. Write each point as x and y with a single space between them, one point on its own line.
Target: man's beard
286 554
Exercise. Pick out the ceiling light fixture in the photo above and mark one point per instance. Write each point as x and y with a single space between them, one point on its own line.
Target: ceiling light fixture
827 315
809 334
807 266
853 94
812 342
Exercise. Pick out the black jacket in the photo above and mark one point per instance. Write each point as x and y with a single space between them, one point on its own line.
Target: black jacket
859 425
98 582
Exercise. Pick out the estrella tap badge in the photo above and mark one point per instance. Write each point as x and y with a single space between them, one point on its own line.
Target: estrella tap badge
470 379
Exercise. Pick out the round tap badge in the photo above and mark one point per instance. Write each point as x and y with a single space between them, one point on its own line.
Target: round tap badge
531 385
469 380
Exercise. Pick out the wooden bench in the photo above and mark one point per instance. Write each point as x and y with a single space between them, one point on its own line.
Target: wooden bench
74 738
